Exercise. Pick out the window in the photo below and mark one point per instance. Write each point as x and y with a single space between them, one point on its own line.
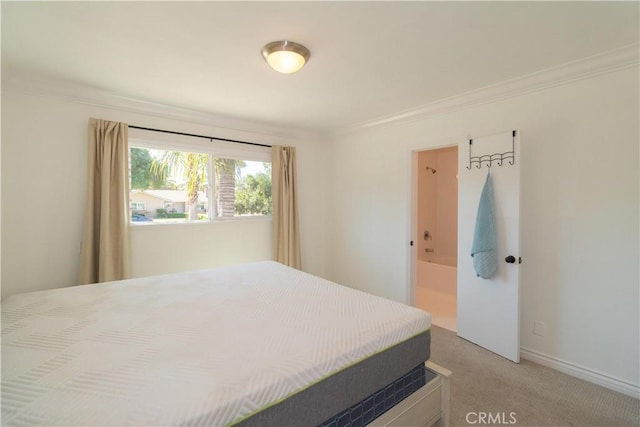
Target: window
198 185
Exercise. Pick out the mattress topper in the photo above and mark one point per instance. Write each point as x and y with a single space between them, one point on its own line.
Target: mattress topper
208 347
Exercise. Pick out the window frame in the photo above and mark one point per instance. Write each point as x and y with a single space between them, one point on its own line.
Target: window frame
215 149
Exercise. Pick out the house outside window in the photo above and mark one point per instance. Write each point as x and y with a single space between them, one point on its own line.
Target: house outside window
198 183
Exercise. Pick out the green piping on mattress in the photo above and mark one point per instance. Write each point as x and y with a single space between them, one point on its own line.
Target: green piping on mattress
272 404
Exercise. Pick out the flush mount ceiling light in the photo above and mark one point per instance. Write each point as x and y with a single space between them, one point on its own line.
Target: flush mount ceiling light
285 56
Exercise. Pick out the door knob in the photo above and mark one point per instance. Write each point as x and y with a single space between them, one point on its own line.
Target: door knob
510 259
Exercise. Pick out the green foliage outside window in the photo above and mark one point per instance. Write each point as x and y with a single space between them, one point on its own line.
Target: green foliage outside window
253 194
142 175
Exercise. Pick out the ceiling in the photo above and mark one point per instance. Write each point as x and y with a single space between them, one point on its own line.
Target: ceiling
369 60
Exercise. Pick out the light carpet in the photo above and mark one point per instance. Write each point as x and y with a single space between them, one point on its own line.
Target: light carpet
486 387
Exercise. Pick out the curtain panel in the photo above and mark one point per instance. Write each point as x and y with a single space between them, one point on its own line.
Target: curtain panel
286 235
105 251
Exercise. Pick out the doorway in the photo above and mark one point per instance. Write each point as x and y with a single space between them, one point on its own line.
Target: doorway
436 227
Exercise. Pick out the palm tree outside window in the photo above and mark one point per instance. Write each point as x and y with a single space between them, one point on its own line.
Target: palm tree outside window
199 186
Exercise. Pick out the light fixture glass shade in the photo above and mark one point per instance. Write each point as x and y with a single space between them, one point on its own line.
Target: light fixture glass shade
285 56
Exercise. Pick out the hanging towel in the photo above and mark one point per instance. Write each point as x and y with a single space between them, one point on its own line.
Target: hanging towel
484 247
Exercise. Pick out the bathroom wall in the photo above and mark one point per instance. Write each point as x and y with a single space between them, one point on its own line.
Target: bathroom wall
438 205
427 196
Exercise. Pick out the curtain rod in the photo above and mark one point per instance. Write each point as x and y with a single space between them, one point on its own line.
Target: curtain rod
211 138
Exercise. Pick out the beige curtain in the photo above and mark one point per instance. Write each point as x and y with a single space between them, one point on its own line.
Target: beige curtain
286 237
105 241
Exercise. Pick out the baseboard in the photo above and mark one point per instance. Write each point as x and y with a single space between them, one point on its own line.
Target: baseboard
581 372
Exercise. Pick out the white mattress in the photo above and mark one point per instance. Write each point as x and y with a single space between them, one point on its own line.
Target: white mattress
214 345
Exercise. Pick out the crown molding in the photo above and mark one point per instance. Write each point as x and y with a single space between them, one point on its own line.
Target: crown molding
592 66
604 63
75 93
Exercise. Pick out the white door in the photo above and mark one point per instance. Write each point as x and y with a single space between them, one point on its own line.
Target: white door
489 309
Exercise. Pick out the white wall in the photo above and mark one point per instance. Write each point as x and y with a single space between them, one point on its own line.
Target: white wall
579 213
44 157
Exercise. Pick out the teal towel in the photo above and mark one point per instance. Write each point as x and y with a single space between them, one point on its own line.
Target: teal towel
484 247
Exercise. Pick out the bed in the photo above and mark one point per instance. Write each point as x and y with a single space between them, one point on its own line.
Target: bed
252 345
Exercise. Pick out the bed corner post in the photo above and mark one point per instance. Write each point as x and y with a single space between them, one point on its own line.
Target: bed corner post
445 375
